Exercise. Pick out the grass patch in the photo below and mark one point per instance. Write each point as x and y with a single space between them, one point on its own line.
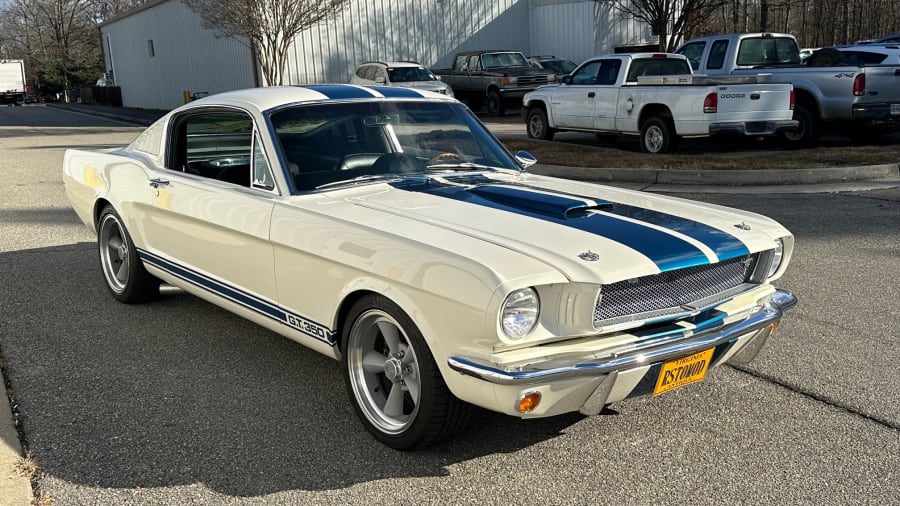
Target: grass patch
703 155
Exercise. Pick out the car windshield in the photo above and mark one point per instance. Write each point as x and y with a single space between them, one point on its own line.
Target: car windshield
407 74
559 66
326 145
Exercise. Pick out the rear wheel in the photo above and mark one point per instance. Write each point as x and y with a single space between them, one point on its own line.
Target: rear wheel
807 132
657 136
537 125
125 276
395 386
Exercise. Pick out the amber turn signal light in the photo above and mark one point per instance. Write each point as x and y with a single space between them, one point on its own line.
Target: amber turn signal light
528 402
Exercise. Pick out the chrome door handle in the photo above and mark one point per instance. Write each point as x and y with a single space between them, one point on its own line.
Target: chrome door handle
157 182
591 94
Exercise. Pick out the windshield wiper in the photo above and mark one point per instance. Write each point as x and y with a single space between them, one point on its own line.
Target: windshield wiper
458 166
358 179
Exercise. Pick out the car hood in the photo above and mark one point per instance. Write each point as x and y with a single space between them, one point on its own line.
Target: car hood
589 233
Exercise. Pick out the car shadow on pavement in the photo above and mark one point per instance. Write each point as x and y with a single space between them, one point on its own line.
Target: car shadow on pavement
180 392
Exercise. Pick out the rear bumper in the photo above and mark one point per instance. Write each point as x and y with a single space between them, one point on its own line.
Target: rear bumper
752 127
552 368
882 112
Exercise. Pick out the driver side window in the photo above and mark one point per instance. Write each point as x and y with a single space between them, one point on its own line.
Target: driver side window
214 144
587 74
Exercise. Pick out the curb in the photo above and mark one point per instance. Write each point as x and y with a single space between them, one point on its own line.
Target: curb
729 177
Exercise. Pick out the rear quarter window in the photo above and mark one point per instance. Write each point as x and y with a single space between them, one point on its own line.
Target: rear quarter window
863 58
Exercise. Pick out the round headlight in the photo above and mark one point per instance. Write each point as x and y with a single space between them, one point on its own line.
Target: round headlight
777 256
520 312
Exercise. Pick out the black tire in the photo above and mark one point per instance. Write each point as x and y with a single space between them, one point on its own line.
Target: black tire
537 125
404 402
123 271
657 136
807 133
495 105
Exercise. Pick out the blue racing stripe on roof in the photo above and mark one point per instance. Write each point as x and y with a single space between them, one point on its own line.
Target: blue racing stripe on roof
667 251
397 92
341 91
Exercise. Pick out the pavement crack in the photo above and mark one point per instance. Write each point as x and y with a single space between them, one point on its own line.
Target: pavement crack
824 399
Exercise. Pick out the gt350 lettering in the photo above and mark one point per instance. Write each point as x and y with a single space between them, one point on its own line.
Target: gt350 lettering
307 327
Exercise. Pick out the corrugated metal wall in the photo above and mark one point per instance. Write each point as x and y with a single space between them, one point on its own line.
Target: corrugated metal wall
580 29
189 57
185 57
427 31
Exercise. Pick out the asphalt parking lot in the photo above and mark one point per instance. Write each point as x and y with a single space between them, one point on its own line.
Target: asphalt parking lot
179 402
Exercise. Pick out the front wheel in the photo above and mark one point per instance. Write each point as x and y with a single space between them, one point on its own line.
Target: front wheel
125 276
537 125
395 386
495 105
657 136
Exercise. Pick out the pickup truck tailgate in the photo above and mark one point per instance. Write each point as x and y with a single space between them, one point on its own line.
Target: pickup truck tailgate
749 102
881 100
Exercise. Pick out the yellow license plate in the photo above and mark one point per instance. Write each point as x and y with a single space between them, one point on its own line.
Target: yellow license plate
682 371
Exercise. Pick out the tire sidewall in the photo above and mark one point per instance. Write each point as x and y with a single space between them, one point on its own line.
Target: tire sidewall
495 105
141 286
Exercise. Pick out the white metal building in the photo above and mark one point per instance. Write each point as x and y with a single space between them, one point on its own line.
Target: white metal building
159 51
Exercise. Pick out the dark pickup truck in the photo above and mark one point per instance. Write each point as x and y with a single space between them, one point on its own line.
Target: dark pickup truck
497 77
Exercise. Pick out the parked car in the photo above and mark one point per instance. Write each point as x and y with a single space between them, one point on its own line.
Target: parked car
388 229
656 96
561 66
857 98
407 74
496 77
870 54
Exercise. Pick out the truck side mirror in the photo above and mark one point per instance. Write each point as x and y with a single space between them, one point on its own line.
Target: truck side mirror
567 79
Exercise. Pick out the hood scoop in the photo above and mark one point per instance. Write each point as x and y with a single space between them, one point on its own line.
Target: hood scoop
557 205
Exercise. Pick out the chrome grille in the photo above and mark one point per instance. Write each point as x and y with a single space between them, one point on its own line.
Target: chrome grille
672 293
531 80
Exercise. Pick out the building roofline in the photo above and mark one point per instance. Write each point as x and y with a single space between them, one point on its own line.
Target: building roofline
131 12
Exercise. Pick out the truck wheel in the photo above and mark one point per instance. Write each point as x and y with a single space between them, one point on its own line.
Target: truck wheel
395 386
495 105
807 132
657 136
537 125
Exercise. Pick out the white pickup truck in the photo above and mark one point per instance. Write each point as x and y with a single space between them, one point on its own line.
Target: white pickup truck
657 97
859 97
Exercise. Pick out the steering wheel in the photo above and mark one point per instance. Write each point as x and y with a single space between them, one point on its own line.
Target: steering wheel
444 156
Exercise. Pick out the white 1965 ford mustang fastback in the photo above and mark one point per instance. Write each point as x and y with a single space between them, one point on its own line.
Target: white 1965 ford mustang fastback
387 228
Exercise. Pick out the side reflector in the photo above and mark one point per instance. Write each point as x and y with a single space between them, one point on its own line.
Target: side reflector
528 402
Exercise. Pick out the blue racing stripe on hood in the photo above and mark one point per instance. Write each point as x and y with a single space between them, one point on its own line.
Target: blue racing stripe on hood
725 245
338 91
667 251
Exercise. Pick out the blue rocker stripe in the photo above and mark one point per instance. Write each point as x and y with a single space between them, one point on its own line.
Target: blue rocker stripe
238 296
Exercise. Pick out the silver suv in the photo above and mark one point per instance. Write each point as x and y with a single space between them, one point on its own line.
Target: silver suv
408 74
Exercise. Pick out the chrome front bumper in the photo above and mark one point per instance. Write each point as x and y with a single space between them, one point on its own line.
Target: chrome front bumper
760 319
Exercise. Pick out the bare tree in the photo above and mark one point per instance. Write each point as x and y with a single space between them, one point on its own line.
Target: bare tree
268 27
669 19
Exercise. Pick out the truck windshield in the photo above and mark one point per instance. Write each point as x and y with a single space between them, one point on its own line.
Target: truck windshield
768 51
512 59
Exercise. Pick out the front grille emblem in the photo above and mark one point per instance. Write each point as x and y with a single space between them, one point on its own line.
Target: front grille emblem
589 256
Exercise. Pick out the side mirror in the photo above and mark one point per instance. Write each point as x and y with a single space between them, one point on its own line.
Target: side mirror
525 158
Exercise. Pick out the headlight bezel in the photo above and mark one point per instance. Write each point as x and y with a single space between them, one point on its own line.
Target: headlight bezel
776 258
519 313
